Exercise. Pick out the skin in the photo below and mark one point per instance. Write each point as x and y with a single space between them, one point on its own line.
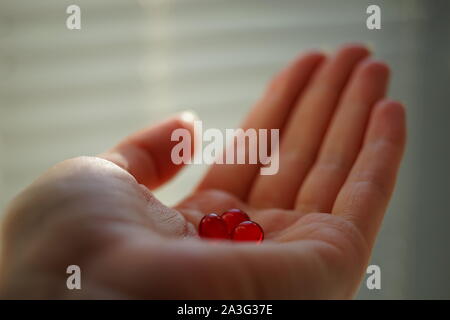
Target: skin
340 150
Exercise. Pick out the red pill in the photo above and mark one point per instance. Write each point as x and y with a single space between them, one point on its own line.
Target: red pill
213 227
248 231
233 217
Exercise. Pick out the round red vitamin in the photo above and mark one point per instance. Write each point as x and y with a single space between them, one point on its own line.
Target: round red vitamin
248 231
233 218
213 226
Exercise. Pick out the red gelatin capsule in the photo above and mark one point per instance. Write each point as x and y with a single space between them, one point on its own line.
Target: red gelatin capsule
233 217
248 231
213 227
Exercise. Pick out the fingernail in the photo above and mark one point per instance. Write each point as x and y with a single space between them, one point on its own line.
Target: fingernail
370 46
189 116
326 49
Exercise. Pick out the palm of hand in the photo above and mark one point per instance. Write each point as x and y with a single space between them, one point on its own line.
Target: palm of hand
320 213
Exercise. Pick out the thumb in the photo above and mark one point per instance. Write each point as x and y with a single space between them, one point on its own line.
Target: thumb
146 154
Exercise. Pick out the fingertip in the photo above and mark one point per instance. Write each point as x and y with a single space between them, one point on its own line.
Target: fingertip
147 154
392 109
375 68
314 54
186 120
294 72
311 57
390 117
183 120
353 49
188 117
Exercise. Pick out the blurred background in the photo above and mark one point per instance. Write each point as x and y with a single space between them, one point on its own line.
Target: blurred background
65 93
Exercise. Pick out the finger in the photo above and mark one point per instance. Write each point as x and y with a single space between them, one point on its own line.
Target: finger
269 113
304 131
364 196
344 138
147 153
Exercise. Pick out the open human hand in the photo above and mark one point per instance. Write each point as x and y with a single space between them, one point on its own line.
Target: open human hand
340 149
